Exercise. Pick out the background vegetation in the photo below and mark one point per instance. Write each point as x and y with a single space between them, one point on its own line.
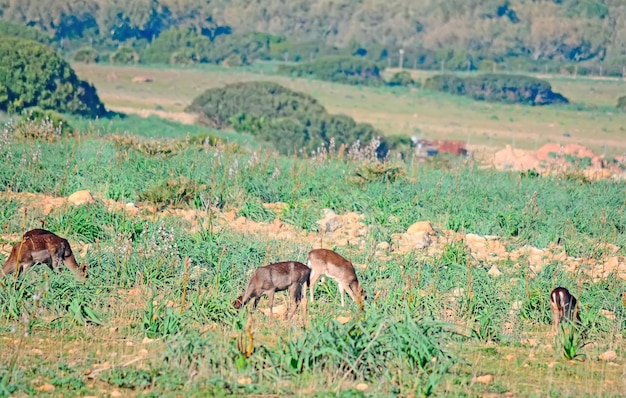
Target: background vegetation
32 74
291 121
507 88
455 34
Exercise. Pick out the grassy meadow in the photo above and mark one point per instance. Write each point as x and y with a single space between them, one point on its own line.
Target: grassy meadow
591 119
155 318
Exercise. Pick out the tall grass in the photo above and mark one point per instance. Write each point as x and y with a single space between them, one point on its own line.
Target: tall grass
159 278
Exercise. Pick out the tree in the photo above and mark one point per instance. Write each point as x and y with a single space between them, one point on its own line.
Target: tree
32 74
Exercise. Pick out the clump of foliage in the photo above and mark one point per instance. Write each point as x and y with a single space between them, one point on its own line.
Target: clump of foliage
340 69
288 119
173 192
88 55
11 29
43 124
176 46
184 45
621 103
514 89
32 74
124 55
402 78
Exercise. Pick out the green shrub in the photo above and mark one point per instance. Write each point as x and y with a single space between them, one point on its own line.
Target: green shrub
32 74
124 55
621 102
12 29
288 119
178 46
498 87
46 124
402 78
340 69
86 55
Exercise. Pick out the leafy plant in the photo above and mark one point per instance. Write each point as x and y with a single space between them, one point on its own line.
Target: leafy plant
49 82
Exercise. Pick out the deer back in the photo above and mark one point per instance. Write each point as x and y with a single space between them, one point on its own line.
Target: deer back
329 263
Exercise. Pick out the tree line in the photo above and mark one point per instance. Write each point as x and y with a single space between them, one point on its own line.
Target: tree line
456 33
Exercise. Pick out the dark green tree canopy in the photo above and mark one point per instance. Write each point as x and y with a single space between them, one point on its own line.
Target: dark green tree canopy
288 119
32 74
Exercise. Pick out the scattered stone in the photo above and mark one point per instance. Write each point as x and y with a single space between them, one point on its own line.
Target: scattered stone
608 314
116 393
383 246
608 356
509 357
361 387
147 340
81 197
343 319
494 271
37 351
421 226
244 380
142 79
485 379
46 388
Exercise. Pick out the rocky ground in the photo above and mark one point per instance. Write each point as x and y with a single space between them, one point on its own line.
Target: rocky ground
336 230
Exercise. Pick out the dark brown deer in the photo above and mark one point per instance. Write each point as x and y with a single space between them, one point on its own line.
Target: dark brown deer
275 278
42 246
324 262
564 306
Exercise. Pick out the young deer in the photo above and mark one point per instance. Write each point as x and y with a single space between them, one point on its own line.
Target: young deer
564 306
41 246
328 263
275 278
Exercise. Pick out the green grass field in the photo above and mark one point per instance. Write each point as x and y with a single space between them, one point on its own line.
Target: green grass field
155 318
590 120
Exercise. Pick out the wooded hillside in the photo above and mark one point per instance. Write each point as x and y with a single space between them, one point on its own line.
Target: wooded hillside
549 30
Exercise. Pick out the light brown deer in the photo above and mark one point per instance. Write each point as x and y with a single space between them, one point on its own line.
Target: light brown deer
564 306
42 246
324 262
274 278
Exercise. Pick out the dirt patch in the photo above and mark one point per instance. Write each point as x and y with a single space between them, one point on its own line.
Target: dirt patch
336 230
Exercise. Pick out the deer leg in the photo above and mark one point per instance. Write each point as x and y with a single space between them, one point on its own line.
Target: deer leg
555 318
341 289
296 295
270 295
314 278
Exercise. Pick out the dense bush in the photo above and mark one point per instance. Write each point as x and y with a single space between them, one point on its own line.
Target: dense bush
402 78
32 74
124 55
621 103
288 119
350 70
185 45
498 87
178 45
87 55
11 29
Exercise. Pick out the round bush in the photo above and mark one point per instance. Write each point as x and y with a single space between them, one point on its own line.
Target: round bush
32 74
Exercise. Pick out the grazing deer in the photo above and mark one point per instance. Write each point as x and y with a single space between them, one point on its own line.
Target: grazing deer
42 246
324 262
564 306
275 278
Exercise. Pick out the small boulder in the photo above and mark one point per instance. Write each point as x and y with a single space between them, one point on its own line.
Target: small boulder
421 227
485 379
81 197
608 356
494 271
